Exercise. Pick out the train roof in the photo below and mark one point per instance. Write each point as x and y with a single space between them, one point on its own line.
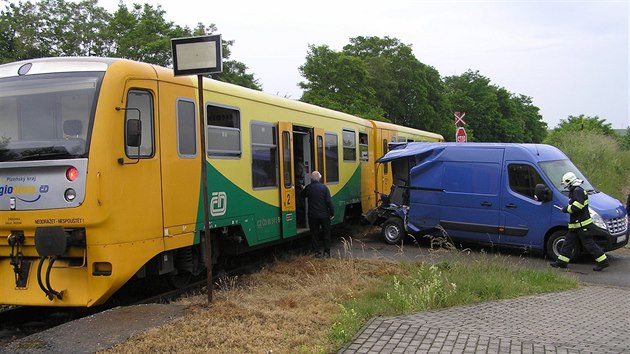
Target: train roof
401 128
85 64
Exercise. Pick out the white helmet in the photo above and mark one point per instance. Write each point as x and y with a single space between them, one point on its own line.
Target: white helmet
570 179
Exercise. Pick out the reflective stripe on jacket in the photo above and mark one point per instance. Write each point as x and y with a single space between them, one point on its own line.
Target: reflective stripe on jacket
579 216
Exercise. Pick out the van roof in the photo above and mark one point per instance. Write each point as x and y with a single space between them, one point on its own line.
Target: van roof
539 152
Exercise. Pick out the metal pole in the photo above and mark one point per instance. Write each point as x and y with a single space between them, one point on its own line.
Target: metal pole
204 187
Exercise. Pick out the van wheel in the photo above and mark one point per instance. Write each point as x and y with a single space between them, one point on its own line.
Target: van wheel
555 243
393 231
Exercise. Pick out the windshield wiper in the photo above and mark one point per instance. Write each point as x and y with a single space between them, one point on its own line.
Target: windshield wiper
42 156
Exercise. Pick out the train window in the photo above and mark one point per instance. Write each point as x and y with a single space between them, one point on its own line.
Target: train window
140 106
264 155
186 129
332 158
320 153
385 149
349 145
224 131
286 159
363 147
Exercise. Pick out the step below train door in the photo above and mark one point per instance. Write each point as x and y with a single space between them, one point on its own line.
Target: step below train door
288 215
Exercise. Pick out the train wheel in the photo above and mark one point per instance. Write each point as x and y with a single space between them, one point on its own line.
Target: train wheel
179 279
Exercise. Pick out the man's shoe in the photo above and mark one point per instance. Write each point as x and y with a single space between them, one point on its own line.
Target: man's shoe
557 264
601 265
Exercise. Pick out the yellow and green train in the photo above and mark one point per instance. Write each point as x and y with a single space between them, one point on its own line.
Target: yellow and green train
100 174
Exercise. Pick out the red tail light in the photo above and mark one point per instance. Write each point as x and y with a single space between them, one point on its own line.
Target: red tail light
72 174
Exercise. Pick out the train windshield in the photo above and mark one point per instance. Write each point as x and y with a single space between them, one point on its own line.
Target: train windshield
47 116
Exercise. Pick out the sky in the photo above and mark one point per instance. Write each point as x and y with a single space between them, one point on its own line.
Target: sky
571 57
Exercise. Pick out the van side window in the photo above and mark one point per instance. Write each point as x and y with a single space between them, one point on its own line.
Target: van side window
523 179
264 155
186 129
224 131
332 158
140 106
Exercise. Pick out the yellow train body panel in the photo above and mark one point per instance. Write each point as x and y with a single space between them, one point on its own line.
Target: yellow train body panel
100 174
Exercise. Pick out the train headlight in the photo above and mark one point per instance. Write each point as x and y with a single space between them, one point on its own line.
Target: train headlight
70 194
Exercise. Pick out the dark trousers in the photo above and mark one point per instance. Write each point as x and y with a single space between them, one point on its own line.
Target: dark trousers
320 230
582 236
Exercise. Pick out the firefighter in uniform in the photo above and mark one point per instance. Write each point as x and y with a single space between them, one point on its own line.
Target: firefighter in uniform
580 223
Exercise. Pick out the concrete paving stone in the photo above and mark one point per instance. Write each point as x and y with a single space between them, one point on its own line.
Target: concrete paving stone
593 319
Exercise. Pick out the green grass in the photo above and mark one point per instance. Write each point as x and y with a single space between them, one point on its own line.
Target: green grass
600 158
423 286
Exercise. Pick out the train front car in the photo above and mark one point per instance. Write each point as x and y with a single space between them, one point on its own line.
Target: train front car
58 185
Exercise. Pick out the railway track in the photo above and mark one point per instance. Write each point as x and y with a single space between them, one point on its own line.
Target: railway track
19 322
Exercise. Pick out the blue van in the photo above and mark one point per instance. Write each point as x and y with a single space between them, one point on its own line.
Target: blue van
499 194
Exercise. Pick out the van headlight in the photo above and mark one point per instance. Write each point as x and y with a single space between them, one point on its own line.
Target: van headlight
597 219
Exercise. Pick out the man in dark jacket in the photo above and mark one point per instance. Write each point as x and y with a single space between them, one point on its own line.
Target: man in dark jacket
320 212
580 223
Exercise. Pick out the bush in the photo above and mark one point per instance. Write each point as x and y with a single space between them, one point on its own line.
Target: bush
600 158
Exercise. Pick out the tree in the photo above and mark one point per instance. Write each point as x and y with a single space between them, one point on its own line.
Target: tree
409 92
376 77
582 122
66 28
494 114
143 34
573 124
338 81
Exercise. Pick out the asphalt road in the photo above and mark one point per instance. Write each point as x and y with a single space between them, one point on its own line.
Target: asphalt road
368 243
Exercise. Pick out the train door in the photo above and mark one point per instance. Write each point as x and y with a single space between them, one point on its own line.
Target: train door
287 186
304 165
139 180
180 165
384 176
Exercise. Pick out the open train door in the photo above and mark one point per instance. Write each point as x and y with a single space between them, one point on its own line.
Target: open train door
287 187
319 151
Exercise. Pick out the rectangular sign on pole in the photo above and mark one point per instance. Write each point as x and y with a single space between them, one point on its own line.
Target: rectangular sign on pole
197 55
200 56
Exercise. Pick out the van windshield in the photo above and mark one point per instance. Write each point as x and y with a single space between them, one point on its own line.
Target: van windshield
556 169
46 116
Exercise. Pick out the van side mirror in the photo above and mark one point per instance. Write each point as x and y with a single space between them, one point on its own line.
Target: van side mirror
134 132
542 193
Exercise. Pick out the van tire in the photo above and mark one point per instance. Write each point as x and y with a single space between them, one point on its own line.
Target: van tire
393 231
554 245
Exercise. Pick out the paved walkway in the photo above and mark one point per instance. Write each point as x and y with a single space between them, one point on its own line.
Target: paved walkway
592 319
